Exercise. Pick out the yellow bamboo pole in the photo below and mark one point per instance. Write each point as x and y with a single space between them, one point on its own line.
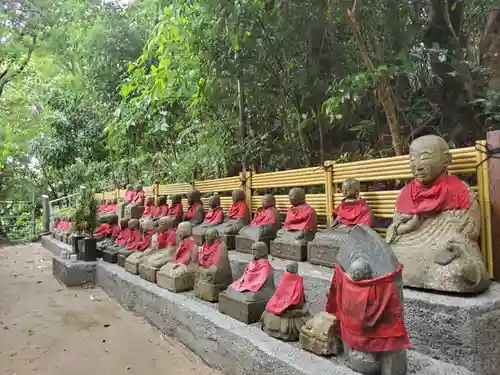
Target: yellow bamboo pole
329 191
481 189
487 209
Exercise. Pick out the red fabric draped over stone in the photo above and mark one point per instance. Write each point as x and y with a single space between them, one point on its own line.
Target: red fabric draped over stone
166 238
352 213
290 292
161 210
65 225
209 255
214 216
264 216
129 196
149 211
300 218
103 229
369 312
123 236
101 208
238 210
184 251
254 276
111 208
55 225
446 193
115 230
139 197
191 213
176 211
134 239
145 242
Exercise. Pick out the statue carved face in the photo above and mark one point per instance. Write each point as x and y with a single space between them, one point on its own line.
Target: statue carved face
259 250
214 202
211 235
429 158
113 219
238 195
149 201
165 223
360 269
162 200
147 225
176 199
184 230
133 224
193 196
138 188
297 196
351 188
292 267
268 201
124 223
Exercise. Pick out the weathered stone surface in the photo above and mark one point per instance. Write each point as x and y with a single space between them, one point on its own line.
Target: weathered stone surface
73 273
176 284
318 336
246 312
148 273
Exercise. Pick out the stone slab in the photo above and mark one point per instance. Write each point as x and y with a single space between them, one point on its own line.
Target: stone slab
54 246
461 330
73 273
225 343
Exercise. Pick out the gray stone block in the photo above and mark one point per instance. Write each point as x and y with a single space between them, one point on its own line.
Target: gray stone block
54 246
73 273
224 343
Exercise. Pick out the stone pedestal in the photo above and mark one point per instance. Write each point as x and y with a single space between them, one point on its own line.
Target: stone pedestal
206 291
322 253
122 257
132 267
179 284
246 312
319 336
148 273
229 240
244 244
292 251
110 256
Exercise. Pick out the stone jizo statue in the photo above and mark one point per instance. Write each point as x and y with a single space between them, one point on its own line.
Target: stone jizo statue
133 242
195 213
176 210
237 217
148 242
214 217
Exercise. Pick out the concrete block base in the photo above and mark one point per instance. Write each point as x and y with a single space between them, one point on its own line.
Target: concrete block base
73 273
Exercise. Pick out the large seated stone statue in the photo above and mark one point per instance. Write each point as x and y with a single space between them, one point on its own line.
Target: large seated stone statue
161 207
129 195
351 211
436 225
263 227
106 232
214 270
149 207
195 213
139 196
166 243
110 252
176 210
246 298
299 228
135 209
178 275
128 198
133 242
237 217
214 217
147 231
287 310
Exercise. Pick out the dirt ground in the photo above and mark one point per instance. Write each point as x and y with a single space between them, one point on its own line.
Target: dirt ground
47 329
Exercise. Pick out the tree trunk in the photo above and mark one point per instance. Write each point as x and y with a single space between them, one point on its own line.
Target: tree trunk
490 47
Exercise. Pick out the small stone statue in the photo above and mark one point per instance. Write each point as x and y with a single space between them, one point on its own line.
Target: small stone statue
178 275
214 216
263 227
287 310
55 225
133 242
107 232
237 217
195 213
299 228
166 244
246 298
351 211
176 210
139 196
149 207
161 207
149 243
214 270
436 225
129 194
110 251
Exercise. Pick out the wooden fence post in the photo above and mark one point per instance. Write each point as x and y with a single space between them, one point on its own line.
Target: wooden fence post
329 191
491 175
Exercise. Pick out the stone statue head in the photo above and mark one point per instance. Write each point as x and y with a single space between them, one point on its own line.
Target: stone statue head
360 269
162 200
165 223
149 201
259 250
193 196
184 230
214 201
238 195
138 187
124 223
130 187
176 199
113 219
147 225
133 224
297 196
429 158
351 188
292 267
268 201
211 235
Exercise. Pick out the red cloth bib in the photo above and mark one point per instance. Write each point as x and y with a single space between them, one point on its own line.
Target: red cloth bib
55 225
184 251
139 197
161 210
254 276
300 218
149 211
290 292
238 210
214 216
176 211
369 312
145 242
134 239
115 230
110 208
166 239
264 216
192 210
103 229
352 213
129 196
209 255
446 193
123 237
101 208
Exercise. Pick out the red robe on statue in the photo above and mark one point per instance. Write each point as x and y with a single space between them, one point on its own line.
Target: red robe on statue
214 216
192 210
115 230
129 196
184 251
149 211
111 208
167 238
264 216
446 193
103 230
290 292
209 255
161 210
55 225
139 197
123 237
254 276
353 212
101 208
176 211
369 312
134 239
145 242
238 210
300 218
